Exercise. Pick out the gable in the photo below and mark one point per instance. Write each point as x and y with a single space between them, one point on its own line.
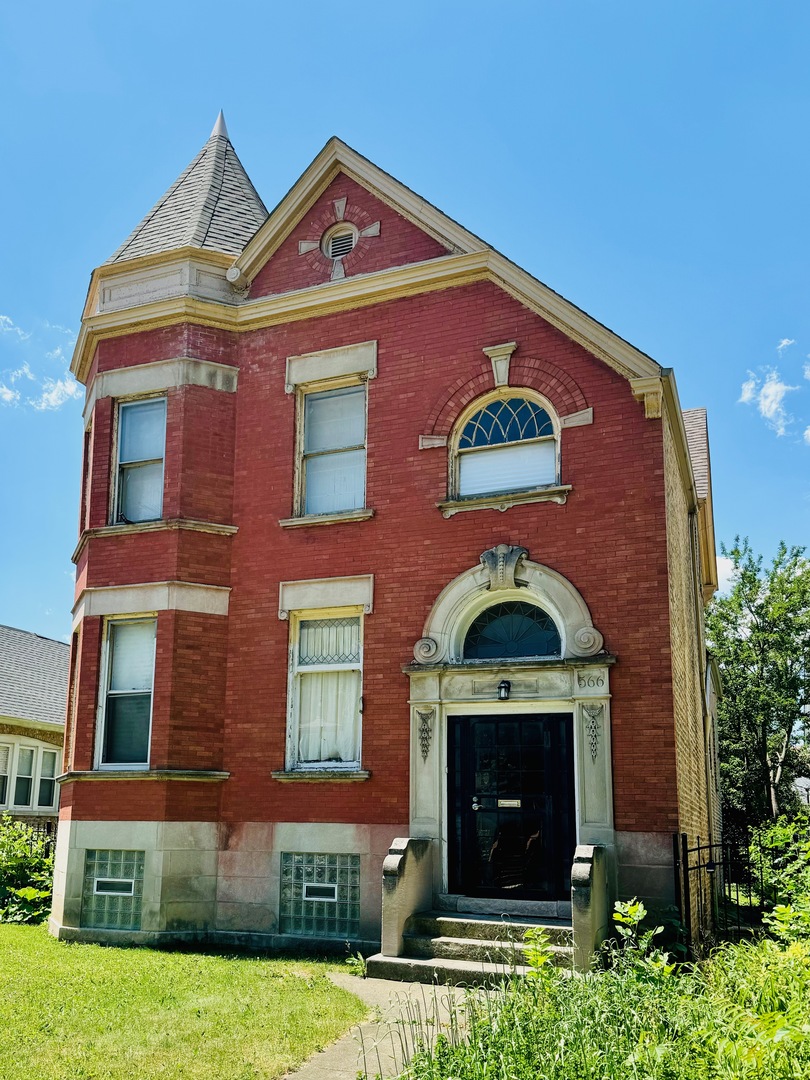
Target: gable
385 240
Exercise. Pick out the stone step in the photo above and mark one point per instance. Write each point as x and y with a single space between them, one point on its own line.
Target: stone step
484 927
444 972
507 954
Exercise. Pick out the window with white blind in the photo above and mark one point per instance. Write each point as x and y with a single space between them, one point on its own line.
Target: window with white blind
141 448
506 444
27 776
325 692
333 467
127 694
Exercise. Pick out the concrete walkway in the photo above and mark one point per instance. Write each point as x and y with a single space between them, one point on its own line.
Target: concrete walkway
377 1047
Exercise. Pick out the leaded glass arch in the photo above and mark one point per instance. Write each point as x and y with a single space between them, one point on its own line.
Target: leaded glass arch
506 420
512 630
508 444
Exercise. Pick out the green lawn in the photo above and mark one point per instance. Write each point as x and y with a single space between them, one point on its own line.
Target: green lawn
75 1012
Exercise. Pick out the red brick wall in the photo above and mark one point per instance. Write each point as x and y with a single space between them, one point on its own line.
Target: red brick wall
398 244
608 540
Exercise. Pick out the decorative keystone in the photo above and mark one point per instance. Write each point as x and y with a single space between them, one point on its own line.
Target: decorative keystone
500 355
501 564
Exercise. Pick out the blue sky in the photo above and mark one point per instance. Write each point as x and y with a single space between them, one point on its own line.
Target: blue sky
648 161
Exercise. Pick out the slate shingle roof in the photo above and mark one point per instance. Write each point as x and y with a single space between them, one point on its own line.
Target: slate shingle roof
697 437
212 205
33 677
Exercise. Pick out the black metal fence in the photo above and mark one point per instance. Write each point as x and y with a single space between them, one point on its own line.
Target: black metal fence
723 888
44 830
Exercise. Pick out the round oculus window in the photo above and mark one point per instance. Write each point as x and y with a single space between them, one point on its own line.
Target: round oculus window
339 240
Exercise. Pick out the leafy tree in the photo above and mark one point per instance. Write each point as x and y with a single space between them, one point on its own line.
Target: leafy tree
760 636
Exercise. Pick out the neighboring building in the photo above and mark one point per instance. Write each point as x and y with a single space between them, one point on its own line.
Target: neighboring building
380 538
33 694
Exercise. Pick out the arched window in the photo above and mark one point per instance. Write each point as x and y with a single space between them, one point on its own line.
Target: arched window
511 630
506 444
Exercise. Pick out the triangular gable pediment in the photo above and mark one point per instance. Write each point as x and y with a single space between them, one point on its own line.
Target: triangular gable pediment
342 182
381 239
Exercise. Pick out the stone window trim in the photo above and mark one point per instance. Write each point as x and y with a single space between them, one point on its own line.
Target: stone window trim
162 525
152 596
158 377
185 775
327 365
103 715
311 594
456 502
321 776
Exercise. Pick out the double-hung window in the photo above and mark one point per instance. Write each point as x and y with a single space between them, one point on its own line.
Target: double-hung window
127 694
325 692
333 467
27 776
141 447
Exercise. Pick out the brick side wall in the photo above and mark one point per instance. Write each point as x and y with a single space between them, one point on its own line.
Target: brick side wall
398 244
686 667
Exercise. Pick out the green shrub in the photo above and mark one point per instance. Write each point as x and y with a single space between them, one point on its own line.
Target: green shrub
780 859
745 1013
26 873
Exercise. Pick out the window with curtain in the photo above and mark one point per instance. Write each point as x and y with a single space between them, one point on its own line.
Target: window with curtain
326 683
334 451
128 694
509 444
141 448
25 776
47 779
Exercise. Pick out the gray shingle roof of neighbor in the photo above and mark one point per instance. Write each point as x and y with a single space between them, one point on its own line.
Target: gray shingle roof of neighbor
212 205
33 677
697 437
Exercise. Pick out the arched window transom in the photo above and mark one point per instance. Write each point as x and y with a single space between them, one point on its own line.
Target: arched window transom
512 630
509 444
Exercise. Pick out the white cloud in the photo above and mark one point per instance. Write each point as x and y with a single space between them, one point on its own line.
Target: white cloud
8 326
807 369
22 372
785 343
55 392
769 397
807 436
748 390
55 354
8 396
725 573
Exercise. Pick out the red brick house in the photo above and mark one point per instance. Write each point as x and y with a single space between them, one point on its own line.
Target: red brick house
381 538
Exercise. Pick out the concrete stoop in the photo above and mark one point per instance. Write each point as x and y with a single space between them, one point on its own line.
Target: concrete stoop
473 950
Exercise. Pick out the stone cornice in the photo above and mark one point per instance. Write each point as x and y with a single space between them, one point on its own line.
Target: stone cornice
167 525
449 271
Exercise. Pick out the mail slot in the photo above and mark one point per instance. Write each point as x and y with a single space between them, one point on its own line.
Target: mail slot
508 804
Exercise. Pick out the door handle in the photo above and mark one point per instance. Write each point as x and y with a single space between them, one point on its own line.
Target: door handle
476 805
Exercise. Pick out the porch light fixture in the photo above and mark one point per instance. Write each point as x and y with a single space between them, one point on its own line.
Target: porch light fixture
504 686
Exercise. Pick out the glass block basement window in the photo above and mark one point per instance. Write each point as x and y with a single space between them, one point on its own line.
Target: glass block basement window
320 895
113 890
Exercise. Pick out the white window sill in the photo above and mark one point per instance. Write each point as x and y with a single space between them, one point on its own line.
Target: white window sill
309 776
556 494
327 519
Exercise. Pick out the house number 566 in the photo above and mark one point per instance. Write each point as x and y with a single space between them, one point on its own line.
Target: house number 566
591 681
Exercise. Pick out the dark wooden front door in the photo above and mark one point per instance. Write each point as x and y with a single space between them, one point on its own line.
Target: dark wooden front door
511 806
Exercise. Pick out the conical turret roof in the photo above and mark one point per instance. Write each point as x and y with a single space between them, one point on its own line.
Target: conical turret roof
212 205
